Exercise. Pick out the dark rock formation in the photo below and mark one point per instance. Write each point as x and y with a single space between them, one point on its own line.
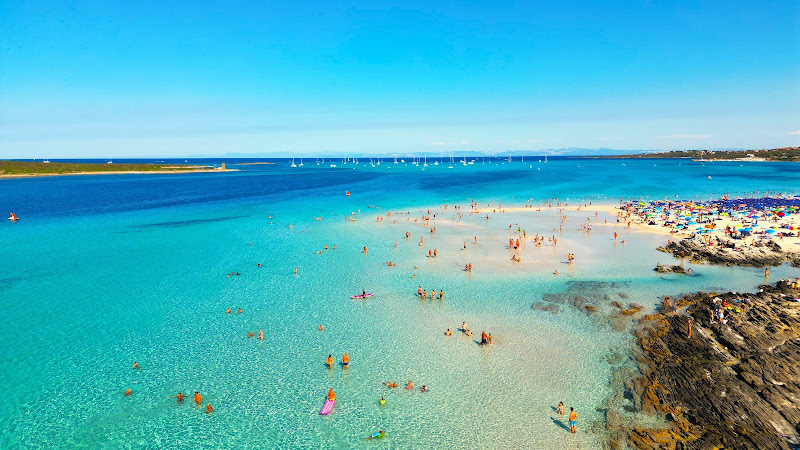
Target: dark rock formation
760 255
734 385
666 269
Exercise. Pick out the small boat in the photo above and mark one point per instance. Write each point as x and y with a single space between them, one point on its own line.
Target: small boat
362 296
293 164
13 217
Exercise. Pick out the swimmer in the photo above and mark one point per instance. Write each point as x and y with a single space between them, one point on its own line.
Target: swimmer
321 327
331 395
423 388
259 264
180 397
329 361
409 386
345 361
238 310
295 270
448 332
198 398
555 273
261 335
136 365
390 384
209 408
250 334
228 311
128 392
383 401
326 246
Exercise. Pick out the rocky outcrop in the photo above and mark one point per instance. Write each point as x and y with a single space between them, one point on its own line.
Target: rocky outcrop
667 269
761 255
734 385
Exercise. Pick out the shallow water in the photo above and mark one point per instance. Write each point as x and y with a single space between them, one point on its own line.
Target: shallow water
102 271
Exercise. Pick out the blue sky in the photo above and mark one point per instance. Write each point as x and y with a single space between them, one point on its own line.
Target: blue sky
113 79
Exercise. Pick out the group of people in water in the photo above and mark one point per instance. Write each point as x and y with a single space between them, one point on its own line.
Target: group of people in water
198 399
573 416
409 386
486 339
423 294
329 359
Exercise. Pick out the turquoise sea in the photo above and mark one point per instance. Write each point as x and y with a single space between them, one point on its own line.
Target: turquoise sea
101 271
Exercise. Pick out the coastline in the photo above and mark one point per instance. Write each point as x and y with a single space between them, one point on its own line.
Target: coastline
118 172
716 383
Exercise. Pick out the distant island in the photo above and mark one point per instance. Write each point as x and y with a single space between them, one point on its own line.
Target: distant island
21 169
775 154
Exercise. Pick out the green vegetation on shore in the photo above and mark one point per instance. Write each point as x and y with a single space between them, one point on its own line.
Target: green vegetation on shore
775 154
28 168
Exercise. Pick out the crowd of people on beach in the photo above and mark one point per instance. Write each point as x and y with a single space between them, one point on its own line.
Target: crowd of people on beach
726 223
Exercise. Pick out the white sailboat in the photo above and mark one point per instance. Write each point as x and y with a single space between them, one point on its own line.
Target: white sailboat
293 164
301 162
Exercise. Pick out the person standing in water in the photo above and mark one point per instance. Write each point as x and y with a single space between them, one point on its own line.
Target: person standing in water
345 360
329 361
573 421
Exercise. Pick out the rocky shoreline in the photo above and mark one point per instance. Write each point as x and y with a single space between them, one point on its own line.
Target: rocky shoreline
759 255
729 385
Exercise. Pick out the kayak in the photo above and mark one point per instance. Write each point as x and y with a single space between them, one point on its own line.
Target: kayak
326 409
361 296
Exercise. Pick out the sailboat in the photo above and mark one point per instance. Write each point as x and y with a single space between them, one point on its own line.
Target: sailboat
545 159
426 161
13 217
301 162
293 164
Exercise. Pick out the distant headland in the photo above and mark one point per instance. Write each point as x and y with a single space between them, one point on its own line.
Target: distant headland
22 169
775 154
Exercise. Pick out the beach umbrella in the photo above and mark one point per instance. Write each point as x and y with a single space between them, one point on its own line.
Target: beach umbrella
781 214
770 231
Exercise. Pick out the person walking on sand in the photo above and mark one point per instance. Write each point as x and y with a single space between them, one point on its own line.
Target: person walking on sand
573 420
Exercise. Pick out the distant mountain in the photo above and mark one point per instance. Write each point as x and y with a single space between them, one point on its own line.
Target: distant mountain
572 151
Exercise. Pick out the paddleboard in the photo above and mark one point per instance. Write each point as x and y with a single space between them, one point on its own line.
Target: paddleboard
327 407
361 296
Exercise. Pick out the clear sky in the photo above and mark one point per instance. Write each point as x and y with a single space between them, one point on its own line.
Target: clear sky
175 78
